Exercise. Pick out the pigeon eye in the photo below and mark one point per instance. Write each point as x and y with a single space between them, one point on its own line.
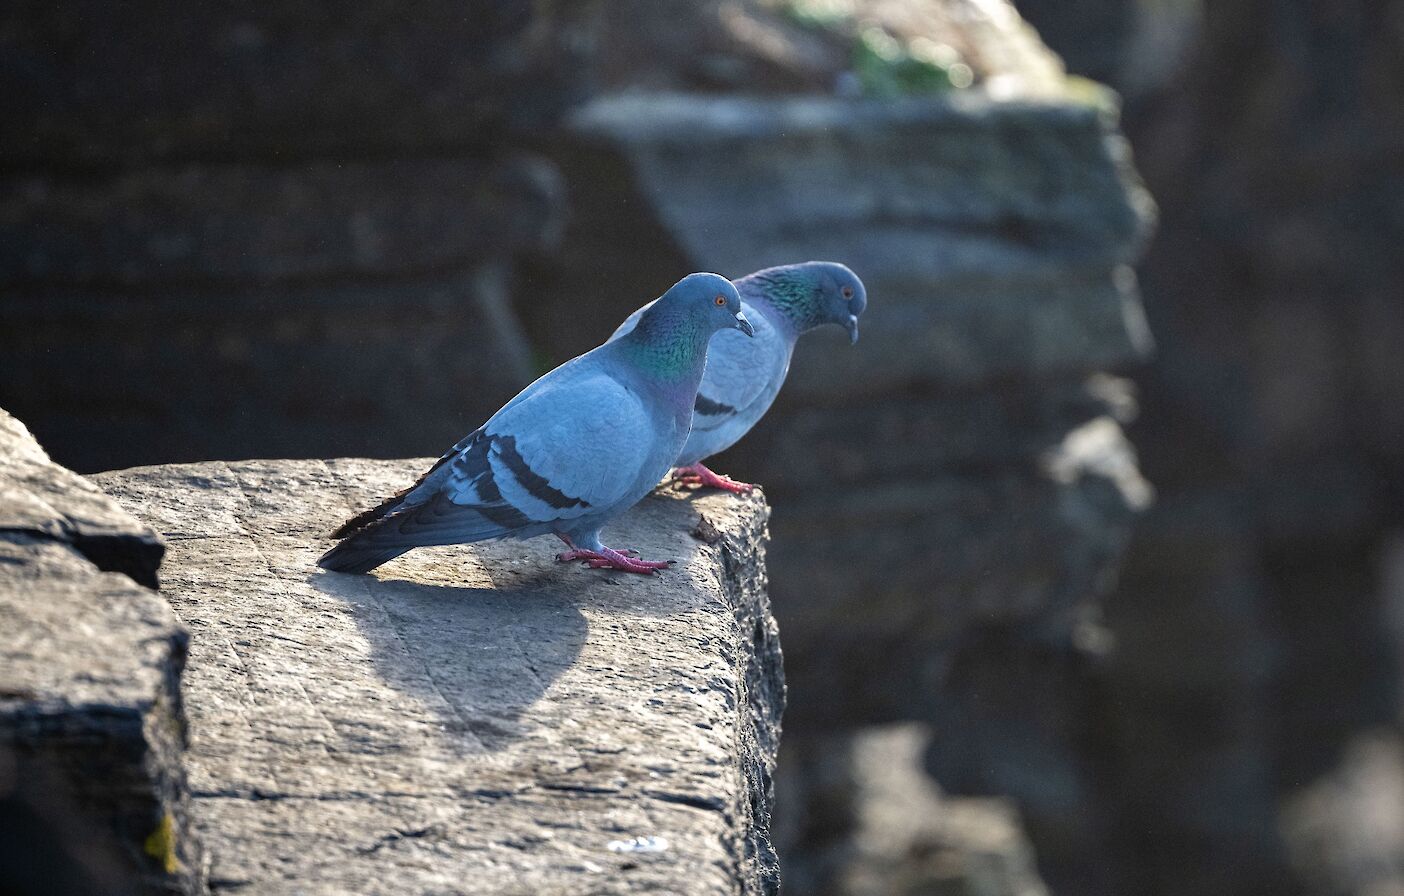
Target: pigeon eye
720 300
847 292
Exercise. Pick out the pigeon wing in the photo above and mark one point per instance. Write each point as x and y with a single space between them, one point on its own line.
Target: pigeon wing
568 449
741 370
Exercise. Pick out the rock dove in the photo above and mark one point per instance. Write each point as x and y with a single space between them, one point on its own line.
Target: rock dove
573 451
744 375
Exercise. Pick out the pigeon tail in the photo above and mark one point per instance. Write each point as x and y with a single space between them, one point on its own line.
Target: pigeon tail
364 519
359 556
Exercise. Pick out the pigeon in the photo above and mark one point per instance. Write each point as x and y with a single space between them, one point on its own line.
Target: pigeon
571 452
743 376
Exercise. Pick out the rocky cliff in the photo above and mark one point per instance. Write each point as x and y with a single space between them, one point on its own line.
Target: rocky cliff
219 227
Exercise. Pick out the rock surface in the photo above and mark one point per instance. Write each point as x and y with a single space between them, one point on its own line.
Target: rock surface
205 371
92 791
994 226
782 47
41 500
468 720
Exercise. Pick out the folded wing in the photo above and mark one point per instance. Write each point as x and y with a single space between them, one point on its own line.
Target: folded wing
567 449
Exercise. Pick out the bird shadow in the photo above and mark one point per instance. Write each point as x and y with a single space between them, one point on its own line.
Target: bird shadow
478 657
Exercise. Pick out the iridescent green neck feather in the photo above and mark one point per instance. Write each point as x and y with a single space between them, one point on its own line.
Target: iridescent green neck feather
792 293
670 347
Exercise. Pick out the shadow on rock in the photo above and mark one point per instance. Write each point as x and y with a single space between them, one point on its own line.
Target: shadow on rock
478 656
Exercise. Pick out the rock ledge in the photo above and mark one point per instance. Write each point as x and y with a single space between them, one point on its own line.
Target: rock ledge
467 720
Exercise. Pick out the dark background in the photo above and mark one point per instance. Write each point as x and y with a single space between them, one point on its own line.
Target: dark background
325 229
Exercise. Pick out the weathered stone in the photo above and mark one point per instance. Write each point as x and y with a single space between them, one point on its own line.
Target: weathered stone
912 838
1345 832
91 727
40 499
90 84
992 237
244 223
904 835
221 230
993 234
92 794
860 626
190 373
477 719
1253 663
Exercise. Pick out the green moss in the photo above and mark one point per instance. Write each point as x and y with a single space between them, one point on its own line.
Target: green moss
161 843
884 66
887 67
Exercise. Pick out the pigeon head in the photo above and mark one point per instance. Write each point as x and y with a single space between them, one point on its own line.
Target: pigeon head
709 299
811 294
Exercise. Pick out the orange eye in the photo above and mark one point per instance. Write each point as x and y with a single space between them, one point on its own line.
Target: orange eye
847 292
720 300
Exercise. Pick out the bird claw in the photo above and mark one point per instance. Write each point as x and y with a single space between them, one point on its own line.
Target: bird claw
700 476
612 559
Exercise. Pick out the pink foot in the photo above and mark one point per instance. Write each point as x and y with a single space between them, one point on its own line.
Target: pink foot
696 474
612 559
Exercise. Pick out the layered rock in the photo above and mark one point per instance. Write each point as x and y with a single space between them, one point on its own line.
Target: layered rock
92 790
476 719
93 86
992 301
954 492
1251 701
222 228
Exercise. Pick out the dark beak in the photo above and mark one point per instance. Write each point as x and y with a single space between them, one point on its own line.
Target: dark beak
744 325
852 328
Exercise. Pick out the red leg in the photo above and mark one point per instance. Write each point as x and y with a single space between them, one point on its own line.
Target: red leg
608 558
696 474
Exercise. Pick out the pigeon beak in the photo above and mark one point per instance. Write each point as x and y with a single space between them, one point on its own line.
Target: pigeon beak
852 328
744 325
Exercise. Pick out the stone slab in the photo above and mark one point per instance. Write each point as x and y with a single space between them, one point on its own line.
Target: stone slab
92 792
473 719
257 224
994 237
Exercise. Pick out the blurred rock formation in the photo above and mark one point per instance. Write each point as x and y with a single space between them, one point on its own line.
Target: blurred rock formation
1253 703
282 231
